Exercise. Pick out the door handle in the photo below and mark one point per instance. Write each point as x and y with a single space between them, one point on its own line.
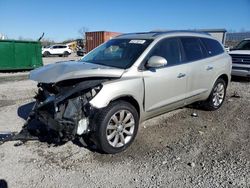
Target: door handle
210 68
181 75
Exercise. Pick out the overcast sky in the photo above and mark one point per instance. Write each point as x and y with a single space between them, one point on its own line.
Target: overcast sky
61 20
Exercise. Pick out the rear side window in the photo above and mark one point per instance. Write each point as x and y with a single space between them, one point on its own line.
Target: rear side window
169 49
61 46
213 47
192 47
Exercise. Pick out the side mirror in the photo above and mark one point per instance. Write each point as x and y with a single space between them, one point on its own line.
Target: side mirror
156 62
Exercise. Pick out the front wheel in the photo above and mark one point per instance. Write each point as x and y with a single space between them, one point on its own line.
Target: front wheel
46 54
116 127
217 95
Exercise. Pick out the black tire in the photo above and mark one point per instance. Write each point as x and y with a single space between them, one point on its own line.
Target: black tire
209 104
66 54
103 118
46 54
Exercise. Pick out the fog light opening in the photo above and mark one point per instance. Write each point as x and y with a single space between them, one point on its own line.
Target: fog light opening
82 126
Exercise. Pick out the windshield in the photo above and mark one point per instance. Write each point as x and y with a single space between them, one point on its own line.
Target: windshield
119 53
243 45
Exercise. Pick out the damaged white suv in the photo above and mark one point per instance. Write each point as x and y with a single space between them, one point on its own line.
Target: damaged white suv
127 80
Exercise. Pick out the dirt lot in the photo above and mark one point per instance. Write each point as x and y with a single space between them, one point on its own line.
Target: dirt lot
173 150
49 60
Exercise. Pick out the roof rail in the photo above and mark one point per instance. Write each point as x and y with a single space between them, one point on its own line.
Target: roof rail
179 31
137 33
156 33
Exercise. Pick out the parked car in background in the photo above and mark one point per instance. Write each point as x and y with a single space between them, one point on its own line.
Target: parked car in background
128 80
81 52
60 50
241 59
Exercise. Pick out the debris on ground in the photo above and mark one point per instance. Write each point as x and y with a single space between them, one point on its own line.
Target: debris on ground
192 164
164 162
18 143
194 114
235 95
201 132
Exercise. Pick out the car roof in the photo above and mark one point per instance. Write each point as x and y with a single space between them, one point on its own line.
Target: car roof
157 34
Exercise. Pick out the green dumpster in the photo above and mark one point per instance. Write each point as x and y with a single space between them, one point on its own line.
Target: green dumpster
20 55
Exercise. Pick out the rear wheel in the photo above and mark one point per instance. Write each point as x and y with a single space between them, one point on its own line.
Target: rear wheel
217 95
65 54
116 127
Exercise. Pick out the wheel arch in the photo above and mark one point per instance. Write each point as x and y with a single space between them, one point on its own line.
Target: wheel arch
130 99
208 104
225 78
48 52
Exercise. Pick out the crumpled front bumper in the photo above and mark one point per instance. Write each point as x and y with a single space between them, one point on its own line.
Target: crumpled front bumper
67 112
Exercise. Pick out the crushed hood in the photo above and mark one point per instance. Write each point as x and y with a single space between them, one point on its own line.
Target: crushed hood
71 70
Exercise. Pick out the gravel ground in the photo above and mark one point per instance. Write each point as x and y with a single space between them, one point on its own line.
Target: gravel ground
173 150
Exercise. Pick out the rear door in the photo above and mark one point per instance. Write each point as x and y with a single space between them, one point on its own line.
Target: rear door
54 50
200 66
61 49
216 62
165 88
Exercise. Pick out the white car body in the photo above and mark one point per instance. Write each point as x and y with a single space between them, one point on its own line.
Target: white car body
56 50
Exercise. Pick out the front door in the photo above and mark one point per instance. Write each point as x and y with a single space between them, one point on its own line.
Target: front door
165 88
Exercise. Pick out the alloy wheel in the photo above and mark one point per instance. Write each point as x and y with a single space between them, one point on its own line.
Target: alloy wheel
218 94
120 129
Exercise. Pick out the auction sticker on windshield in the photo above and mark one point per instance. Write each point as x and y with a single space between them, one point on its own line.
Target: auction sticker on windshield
137 41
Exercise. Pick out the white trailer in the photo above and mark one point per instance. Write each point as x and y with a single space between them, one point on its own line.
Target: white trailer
219 34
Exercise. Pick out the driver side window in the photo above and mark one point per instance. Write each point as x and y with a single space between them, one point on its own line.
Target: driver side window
169 49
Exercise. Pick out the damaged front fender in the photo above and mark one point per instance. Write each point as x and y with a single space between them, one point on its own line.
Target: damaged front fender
64 107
